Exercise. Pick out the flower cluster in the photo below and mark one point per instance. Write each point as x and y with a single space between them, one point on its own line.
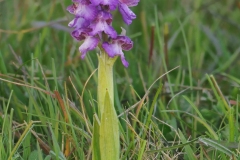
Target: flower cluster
93 24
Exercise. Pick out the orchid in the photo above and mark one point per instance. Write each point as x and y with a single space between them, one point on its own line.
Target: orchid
92 24
93 20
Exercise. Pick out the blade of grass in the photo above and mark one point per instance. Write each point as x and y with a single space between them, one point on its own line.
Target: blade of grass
209 128
230 112
23 136
95 139
3 68
174 147
216 145
189 152
142 148
150 113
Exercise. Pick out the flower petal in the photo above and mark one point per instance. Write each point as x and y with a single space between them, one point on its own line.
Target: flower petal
79 22
89 43
124 62
112 49
130 3
125 42
88 12
127 14
80 34
102 24
71 8
84 10
111 3
81 1
115 50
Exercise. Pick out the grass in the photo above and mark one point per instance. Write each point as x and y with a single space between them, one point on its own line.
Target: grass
48 94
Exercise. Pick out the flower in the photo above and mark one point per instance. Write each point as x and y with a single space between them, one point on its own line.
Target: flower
90 43
83 9
93 23
116 46
103 24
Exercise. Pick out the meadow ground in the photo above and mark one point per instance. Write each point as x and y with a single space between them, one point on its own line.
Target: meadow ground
190 112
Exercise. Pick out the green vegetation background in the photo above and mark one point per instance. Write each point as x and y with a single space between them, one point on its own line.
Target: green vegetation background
191 113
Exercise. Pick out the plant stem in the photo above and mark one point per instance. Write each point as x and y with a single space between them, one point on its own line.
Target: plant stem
105 80
106 144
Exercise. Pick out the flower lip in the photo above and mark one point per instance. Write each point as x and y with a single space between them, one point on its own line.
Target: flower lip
116 46
125 42
81 34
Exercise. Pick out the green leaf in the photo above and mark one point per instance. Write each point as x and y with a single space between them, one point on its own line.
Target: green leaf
49 157
173 147
216 145
57 151
95 140
143 145
33 155
109 132
188 149
3 68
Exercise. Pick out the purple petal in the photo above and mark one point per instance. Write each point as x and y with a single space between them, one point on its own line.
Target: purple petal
125 42
88 12
130 3
111 3
90 43
127 14
112 49
115 50
80 34
84 10
124 62
71 8
102 24
81 1
79 22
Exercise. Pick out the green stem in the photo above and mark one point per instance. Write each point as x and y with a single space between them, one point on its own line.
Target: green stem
108 144
105 80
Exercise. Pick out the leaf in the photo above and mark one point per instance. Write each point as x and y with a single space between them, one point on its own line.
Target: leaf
188 149
95 140
49 157
109 132
33 155
57 151
216 145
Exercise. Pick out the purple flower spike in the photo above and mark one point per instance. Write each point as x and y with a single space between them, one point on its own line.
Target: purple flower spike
127 14
115 48
93 24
